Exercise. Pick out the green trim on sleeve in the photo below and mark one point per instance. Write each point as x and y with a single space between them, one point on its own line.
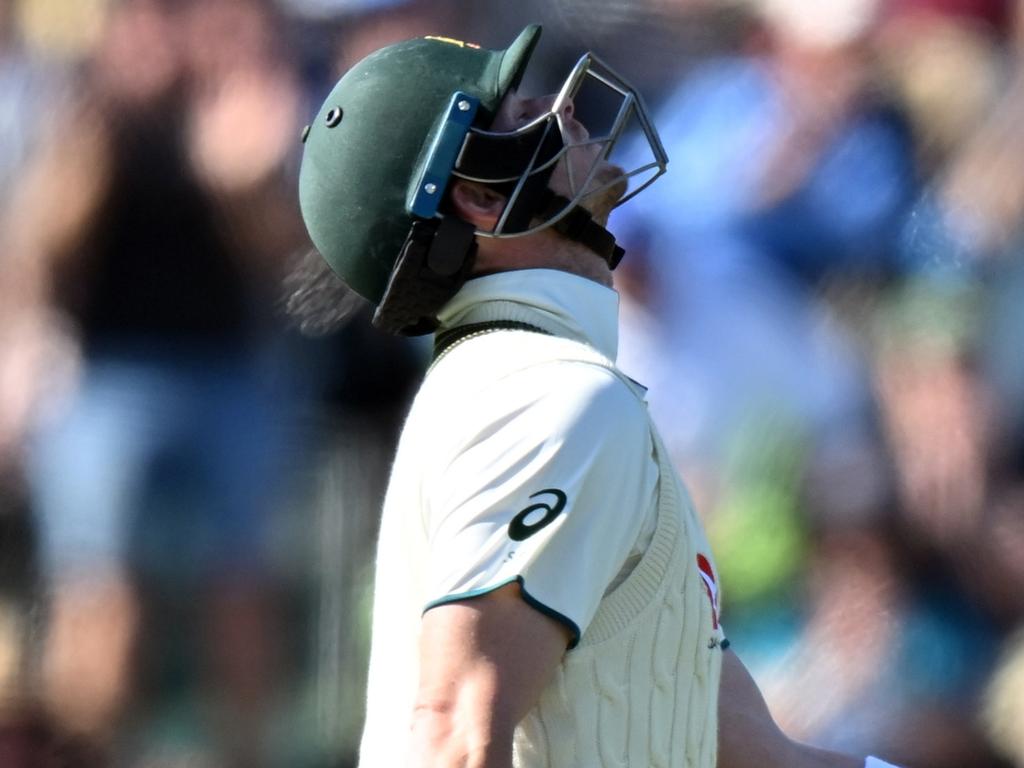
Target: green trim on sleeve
529 599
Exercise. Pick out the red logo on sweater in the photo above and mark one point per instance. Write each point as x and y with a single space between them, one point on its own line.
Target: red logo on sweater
707 574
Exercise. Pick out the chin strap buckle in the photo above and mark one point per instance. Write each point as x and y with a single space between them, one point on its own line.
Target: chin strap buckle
579 225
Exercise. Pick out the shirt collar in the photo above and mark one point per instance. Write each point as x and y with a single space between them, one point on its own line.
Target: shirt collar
558 302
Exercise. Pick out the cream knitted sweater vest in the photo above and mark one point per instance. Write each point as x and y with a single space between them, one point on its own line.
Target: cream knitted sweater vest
641 688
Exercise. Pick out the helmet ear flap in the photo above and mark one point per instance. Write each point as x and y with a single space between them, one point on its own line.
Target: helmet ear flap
436 259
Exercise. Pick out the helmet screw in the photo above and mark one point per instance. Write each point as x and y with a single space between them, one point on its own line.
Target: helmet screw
333 117
430 188
463 105
305 133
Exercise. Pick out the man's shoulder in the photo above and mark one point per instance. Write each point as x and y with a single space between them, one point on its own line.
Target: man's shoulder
520 374
492 363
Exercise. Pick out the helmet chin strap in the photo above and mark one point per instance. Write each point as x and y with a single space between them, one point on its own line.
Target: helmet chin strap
579 225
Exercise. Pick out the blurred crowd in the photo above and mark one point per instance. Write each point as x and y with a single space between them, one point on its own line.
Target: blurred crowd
824 295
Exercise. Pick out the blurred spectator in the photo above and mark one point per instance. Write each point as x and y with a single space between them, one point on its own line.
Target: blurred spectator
157 220
28 88
948 361
934 409
921 53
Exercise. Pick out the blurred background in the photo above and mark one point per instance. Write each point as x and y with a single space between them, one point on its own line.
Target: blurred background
825 295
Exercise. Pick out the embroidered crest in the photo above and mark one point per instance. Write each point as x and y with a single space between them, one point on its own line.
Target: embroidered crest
707 574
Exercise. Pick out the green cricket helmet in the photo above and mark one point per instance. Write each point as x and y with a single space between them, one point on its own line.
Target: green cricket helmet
406 120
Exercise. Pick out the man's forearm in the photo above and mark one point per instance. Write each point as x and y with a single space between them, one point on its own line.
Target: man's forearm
441 739
484 663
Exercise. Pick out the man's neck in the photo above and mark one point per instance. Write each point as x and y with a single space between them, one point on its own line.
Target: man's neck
542 250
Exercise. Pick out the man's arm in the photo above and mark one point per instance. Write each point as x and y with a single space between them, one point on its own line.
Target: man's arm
484 663
748 736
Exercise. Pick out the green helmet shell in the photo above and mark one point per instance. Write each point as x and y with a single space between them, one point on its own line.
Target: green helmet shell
363 150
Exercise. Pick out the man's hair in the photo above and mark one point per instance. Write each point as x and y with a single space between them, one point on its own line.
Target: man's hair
315 299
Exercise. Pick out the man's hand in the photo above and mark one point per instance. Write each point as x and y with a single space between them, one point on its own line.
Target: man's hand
484 663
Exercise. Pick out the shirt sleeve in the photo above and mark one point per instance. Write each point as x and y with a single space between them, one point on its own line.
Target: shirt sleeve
549 487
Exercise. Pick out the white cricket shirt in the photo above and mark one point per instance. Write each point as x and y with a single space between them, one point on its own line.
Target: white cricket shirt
517 463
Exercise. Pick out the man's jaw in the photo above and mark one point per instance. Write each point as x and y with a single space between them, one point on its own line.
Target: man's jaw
610 183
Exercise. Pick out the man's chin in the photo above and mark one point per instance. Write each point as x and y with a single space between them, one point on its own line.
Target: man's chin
613 185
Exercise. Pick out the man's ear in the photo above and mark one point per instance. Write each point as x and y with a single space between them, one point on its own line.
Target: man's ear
479 205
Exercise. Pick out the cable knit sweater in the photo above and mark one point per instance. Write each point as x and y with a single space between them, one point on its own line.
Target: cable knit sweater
641 689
